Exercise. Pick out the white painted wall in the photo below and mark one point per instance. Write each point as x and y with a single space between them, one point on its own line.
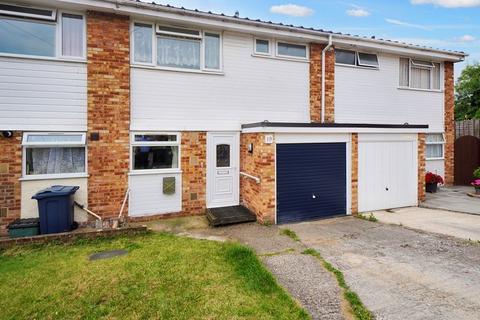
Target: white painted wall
252 89
435 166
372 96
42 95
29 207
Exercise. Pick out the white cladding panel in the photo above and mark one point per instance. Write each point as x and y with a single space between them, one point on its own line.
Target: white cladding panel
42 95
252 89
435 166
387 171
372 96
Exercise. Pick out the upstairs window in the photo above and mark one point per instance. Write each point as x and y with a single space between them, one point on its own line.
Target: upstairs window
419 74
291 50
354 58
262 46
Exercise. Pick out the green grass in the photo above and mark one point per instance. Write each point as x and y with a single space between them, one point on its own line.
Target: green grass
289 233
162 277
359 311
370 217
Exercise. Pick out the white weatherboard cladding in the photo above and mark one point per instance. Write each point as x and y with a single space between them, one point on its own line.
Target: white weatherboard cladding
372 96
387 171
147 198
252 89
435 166
42 95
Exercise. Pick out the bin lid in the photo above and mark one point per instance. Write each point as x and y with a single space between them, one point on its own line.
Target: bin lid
24 223
55 191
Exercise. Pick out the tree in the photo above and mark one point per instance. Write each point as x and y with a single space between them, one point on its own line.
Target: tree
467 93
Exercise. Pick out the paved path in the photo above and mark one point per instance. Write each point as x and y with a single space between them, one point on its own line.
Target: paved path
453 199
464 226
400 273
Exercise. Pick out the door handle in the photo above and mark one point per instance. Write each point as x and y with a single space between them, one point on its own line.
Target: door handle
386 188
314 196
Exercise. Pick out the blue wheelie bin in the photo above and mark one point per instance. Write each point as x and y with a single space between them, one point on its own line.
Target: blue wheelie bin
55 208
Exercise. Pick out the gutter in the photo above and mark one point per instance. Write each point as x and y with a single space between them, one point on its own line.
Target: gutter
330 42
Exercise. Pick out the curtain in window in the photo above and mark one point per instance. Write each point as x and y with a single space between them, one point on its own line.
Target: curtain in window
434 145
212 51
436 77
55 160
404 71
72 35
420 78
142 35
178 52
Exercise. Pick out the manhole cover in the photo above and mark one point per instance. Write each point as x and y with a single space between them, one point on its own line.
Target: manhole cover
107 254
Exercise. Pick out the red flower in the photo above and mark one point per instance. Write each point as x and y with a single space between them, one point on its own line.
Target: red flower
433 178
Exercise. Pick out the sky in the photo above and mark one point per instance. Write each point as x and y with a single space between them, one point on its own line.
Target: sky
443 24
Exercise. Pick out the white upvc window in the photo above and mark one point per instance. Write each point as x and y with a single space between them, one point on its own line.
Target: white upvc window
155 152
262 46
434 146
291 50
356 58
419 74
54 154
41 32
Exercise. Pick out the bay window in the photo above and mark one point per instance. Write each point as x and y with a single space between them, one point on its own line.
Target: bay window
154 151
419 74
54 154
434 146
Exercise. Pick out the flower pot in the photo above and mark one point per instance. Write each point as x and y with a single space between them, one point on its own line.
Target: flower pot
431 187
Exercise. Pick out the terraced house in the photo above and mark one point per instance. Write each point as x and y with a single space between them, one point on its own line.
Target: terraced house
187 110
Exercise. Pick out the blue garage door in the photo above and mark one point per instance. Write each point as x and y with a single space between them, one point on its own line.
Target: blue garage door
311 181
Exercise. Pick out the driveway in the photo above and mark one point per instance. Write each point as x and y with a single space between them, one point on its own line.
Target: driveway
460 225
400 273
453 199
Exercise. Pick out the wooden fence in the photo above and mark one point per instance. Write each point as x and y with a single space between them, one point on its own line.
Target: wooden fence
467 128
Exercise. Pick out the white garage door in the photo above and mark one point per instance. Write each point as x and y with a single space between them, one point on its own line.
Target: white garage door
387 171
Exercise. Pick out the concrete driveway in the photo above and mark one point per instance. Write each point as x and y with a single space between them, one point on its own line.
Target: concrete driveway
400 273
453 199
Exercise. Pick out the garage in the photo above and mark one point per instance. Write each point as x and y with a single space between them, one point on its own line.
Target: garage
311 181
387 171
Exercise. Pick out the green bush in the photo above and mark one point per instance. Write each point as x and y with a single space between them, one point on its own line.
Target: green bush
476 173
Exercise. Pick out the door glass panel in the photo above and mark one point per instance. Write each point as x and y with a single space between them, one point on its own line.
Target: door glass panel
223 155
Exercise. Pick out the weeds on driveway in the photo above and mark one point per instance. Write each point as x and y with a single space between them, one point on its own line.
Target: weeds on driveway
359 311
370 217
289 233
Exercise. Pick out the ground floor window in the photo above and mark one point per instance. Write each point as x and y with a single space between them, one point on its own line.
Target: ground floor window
154 151
54 154
434 149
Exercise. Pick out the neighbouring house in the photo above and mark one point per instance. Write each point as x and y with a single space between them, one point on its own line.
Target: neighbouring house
189 110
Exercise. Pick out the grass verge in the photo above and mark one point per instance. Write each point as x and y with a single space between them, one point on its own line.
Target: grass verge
370 217
359 311
289 233
162 277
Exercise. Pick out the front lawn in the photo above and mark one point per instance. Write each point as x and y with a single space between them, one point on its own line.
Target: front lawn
162 276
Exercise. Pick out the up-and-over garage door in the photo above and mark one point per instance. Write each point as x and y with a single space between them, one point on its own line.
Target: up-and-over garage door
311 181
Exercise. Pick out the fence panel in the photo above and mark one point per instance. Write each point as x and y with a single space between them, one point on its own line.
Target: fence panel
467 128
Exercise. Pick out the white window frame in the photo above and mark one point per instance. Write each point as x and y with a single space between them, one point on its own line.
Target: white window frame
52 17
134 143
202 51
357 60
436 143
59 42
361 64
277 41
421 66
269 53
70 144
154 44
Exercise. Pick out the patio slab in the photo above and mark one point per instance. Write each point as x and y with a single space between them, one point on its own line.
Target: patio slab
453 199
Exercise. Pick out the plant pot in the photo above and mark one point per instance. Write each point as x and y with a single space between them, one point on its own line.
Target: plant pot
431 187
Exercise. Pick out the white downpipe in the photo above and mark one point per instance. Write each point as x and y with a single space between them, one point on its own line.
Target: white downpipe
323 75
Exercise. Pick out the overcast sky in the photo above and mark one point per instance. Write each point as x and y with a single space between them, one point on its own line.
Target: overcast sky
444 24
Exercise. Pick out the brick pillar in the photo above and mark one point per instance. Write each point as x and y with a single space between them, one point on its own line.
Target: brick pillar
421 167
10 172
194 172
354 168
108 74
258 197
316 83
449 123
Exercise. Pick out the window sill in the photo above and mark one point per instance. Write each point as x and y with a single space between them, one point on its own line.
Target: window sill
417 89
356 67
152 67
29 57
154 171
53 176
265 56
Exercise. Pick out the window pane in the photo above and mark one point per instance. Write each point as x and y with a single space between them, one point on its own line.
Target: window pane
155 137
367 59
404 71
187 32
262 46
420 63
178 52
345 57
420 78
55 138
155 157
223 155
142 39
436 77
434 137
55 160
72 35
212 51
293 50
434 151
27 37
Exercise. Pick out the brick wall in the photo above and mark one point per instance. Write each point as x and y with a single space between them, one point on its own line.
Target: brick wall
258 197
316 83
354 166
10 172
194 172
108 76
421 166
449 123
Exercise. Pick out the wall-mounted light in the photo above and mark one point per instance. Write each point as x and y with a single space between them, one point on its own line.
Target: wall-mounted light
7 134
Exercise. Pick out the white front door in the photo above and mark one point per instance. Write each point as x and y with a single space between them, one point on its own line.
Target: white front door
223 169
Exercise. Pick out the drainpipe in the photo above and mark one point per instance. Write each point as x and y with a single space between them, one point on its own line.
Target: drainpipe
323 75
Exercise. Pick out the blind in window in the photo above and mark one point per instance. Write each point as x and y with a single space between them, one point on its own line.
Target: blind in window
436 77
420 78
404 72
72 35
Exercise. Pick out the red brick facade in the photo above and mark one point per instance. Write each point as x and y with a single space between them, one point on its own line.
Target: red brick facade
354 177
108 77
449 119
316 83
10 172
258 197
421 167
